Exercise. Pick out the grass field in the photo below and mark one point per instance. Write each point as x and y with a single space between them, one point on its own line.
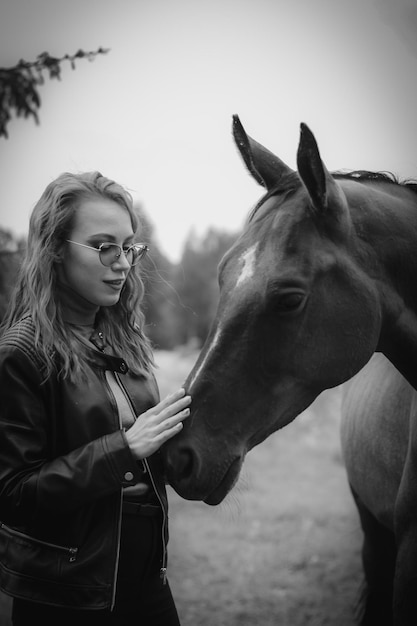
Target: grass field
284 547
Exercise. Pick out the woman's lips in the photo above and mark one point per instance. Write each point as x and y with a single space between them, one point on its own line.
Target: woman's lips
115 284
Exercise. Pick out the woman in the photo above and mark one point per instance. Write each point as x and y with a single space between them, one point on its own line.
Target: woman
83 507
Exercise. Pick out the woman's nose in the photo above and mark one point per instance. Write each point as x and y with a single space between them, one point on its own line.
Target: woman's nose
122 262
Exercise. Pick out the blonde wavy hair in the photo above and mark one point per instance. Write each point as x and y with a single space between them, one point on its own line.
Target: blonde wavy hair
35 293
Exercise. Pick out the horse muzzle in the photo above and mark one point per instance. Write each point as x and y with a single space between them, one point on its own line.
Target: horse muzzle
207 478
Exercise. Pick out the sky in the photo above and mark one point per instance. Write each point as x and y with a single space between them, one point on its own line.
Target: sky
155 113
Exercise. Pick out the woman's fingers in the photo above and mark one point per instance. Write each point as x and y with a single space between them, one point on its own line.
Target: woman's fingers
171 405
176 419
173 426
176 407
172 397
158 424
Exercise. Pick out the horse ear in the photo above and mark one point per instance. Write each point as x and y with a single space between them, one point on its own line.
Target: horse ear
320 184
312 170
266 168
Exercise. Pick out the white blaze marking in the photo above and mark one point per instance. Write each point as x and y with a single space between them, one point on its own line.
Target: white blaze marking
247 259
248 269
213 344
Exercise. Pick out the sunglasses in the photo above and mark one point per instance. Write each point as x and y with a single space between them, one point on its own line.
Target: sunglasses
109 253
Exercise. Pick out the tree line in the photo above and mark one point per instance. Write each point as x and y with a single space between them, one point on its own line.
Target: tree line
180 298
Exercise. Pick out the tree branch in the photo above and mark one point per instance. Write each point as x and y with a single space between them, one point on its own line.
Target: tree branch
19 84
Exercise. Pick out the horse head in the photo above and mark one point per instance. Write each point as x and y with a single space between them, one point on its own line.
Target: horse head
297 314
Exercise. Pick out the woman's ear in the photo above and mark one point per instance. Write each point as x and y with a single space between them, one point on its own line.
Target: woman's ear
61 252
60 255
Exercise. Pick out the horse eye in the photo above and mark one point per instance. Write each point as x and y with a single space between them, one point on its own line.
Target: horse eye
288 302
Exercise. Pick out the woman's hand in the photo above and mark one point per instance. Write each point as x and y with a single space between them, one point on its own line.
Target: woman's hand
158 424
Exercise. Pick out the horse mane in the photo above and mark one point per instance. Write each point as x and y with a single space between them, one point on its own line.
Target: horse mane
292 182
384 177
287 185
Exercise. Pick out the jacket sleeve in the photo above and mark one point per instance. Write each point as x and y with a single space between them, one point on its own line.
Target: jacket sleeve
30 482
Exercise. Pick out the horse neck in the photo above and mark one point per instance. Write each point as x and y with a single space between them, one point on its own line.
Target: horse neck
394 239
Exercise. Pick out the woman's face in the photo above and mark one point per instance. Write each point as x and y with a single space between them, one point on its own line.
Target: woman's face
97 220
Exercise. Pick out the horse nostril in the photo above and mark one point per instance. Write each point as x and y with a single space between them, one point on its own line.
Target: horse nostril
184 463
181 464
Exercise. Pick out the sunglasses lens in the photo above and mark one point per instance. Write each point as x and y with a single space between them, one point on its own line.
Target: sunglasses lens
109 253
138 250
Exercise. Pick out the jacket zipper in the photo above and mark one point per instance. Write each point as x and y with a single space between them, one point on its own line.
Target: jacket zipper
119 523
163 569
72 552
116 567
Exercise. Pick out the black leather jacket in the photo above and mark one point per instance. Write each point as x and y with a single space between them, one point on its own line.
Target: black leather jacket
64 459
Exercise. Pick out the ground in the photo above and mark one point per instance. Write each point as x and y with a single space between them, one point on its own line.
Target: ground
283 549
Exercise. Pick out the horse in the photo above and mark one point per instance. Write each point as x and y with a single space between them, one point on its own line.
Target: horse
319 290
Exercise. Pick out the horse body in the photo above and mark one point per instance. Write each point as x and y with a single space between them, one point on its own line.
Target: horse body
322 277
377 412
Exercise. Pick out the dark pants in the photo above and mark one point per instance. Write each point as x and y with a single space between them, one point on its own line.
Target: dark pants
141 597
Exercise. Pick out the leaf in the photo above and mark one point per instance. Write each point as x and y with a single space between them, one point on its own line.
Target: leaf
18 84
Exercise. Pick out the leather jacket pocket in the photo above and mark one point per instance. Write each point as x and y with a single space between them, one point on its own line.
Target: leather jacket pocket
21 554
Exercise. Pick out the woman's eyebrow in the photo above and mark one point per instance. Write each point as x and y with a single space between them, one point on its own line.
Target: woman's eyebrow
103 237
